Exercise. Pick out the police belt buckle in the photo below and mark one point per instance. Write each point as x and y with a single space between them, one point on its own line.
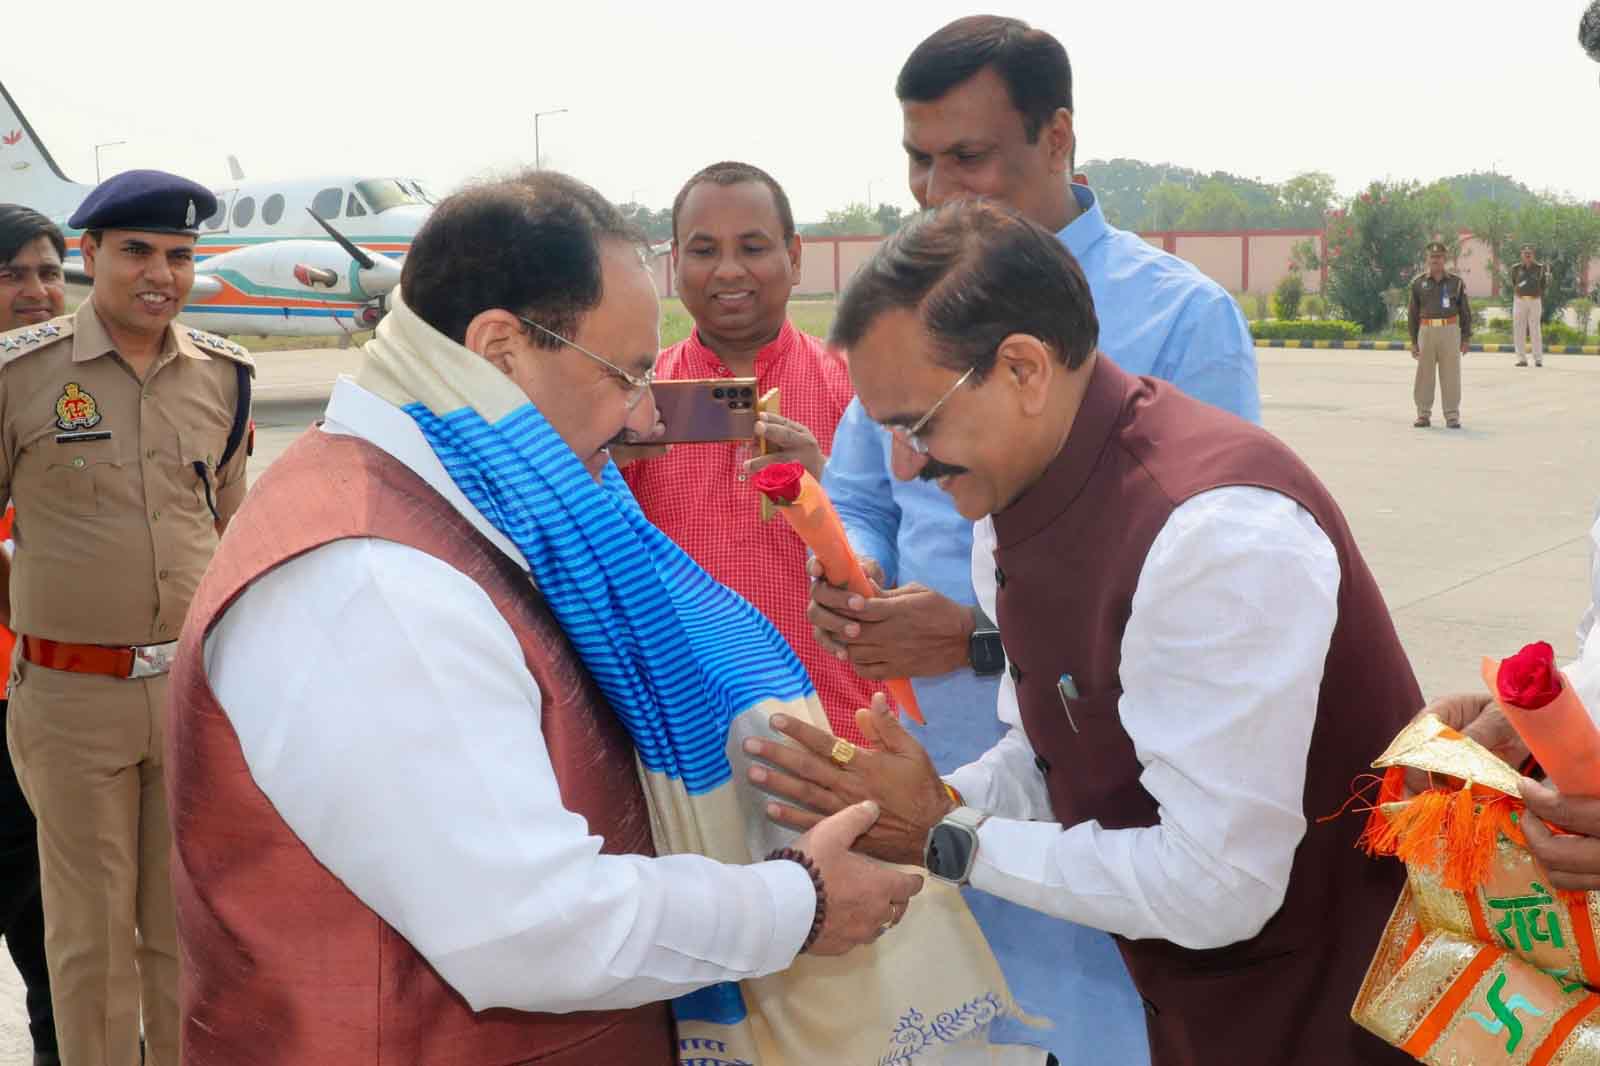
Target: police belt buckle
153 660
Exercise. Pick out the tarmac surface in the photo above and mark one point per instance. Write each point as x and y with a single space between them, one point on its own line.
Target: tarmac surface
1478 537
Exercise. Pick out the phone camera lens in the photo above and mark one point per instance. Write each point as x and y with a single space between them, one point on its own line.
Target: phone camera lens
717 394
747 393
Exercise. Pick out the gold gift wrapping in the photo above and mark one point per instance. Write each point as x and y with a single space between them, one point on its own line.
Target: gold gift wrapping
1493 972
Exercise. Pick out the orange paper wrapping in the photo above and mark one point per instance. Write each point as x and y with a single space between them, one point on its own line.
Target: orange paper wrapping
812 516
1560 734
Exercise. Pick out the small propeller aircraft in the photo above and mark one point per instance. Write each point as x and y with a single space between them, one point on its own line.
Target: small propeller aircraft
301 258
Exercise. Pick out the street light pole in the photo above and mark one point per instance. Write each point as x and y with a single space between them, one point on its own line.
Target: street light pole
107 144
870 183
538 159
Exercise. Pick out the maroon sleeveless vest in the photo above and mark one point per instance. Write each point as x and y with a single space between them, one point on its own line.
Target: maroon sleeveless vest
1069 554
281 964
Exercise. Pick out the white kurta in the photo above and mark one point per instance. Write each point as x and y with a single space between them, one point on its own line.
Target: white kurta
1222 663
385 708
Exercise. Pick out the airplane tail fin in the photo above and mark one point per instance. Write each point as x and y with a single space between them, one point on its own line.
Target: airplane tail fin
28 173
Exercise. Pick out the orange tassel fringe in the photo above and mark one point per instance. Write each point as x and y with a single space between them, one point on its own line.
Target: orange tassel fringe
1455 832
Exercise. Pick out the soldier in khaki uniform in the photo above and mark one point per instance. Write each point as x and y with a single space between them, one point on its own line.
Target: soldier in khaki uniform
1528 280
1441 328
114 428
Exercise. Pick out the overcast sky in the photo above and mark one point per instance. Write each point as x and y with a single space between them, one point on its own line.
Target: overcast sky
447 91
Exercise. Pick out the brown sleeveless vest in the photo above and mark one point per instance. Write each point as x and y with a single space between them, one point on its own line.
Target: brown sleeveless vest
281 964
1069 555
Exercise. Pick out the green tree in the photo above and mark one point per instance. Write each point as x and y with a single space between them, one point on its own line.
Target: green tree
1165 206
890 217
1215 205
1495 188
1493 222
657 225
1374 245
1303 256
1440 212
1286 298
1123 187
852 220
1304 200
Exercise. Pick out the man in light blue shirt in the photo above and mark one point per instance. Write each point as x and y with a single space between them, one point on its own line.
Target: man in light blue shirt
987 108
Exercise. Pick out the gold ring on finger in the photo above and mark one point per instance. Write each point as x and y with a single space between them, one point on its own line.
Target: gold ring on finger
843 751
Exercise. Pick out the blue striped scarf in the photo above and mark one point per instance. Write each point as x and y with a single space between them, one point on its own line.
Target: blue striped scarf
677 654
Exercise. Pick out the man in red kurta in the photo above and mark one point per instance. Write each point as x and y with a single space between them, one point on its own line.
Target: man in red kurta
737 259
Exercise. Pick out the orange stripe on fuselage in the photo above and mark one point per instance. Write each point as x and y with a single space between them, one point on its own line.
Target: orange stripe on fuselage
237 298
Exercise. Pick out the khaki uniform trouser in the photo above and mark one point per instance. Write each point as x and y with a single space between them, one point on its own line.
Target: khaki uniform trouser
1524 321
1441 351
88 753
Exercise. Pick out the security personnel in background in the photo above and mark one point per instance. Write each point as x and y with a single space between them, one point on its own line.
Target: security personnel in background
122 446
1528 280
33 290
1441 328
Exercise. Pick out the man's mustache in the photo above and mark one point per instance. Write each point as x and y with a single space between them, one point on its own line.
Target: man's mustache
933 470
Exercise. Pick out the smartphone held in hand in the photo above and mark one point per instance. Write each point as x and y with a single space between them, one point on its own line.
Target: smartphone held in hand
696 411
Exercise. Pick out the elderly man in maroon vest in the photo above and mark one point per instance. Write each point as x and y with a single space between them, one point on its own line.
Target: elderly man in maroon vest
1200 661
408 825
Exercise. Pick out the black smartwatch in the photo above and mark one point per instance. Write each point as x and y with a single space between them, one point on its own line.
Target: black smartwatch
984 650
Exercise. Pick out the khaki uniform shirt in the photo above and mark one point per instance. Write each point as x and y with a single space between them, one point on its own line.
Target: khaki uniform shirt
1528 280
113 530
1445 298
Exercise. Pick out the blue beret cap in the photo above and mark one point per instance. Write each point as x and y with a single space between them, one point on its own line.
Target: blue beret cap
149 200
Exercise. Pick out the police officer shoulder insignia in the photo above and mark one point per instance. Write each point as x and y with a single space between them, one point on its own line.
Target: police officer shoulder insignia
20 342
76 409
219 345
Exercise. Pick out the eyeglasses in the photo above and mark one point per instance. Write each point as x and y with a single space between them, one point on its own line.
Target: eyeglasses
637 385
911 437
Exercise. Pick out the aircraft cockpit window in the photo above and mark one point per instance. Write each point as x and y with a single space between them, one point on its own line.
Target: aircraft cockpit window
353 209
326 203
272 209
243 211
384 193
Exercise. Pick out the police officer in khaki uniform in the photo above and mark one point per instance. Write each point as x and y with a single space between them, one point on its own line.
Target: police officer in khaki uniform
1441 329
33 290
116 427
1527 287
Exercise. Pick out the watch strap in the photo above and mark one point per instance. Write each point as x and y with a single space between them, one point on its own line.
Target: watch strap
967 818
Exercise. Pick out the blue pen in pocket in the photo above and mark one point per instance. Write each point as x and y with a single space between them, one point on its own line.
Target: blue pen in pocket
1068 691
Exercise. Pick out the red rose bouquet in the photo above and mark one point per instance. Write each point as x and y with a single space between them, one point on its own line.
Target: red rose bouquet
1541 705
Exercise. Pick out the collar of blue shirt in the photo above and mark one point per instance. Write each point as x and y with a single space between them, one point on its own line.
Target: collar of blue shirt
1090 227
